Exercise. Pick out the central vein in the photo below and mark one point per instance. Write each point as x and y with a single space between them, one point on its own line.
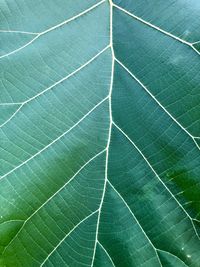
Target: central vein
110 125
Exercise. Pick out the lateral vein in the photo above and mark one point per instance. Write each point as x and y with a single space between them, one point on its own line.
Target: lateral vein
60 189
126 204
151 25
157 28
54 141
172 255
67 236
53 28
166 111
106 253
161 181
53 85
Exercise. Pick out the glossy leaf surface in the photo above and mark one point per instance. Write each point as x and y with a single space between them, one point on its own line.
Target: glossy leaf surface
99 133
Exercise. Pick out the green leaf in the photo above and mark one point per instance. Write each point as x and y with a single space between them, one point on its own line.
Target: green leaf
100 133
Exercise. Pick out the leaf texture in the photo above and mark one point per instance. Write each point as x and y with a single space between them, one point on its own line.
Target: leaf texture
99 133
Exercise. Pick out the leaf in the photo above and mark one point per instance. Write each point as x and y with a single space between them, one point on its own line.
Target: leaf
100 133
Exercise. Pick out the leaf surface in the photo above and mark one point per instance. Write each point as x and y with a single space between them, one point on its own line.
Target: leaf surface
99 134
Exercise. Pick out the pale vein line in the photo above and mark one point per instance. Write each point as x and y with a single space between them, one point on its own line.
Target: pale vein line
57 192
21 32
145 88
195 49
73 18
156 28
152 245
196 142
20 48
151 167
67 236
10 221
196 220
12 116
110 130
106 253
53 28
197 42
11 103
172 255
55 84
55 140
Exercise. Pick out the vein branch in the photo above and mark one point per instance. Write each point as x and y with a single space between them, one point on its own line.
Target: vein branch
12 116
106 253
164 251
21 32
